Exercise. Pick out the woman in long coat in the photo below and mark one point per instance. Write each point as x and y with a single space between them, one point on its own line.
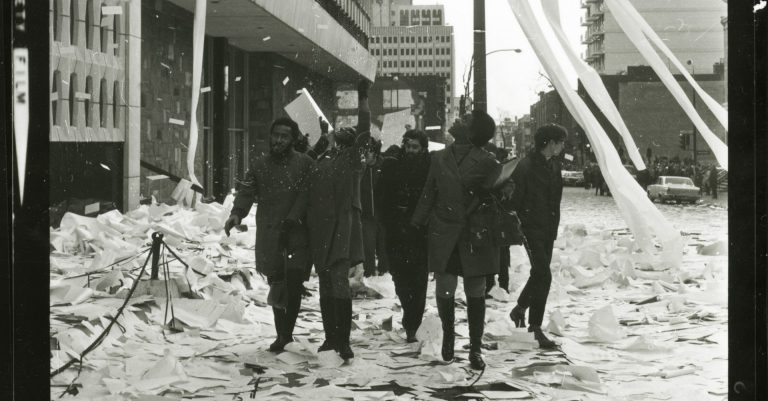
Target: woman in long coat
458 177
335 225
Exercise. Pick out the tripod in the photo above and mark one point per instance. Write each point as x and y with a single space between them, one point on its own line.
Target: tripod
156 250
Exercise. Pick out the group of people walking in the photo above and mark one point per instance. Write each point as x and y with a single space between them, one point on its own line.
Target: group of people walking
340 203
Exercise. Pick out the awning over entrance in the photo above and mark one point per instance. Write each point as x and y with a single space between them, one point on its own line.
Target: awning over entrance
300 30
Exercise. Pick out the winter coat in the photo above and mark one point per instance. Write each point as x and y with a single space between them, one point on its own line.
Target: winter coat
280 186
537 195
370 178
334 212
398 191
451 188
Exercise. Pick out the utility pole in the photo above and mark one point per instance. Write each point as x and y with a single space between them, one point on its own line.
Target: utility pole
693 95
480 100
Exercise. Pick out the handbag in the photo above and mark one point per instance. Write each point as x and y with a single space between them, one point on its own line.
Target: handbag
506 229
278 289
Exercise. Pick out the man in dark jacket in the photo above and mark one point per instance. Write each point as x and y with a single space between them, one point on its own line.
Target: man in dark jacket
458 177
279 182
398 191
373 229
334 217
538 191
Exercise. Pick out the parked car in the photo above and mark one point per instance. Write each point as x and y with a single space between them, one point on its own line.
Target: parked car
572 178
680 189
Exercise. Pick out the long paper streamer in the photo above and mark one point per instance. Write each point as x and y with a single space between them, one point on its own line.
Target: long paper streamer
627 23
641 216
593 84
198 39
717 109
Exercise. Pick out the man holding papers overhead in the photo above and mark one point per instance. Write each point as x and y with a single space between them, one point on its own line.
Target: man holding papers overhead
537 195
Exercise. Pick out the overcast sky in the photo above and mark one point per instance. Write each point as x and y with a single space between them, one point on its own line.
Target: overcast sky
513 78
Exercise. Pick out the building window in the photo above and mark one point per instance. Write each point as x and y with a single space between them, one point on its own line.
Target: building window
403 17
116 34
88 96
429 51
88 24
74 21
56 20
116 104
103 104
72 100
55 95
104 32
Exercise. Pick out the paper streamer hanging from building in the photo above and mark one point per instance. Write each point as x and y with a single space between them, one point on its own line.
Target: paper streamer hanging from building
641 216
593 84
198 39
635 34
717 109
305 112
393 128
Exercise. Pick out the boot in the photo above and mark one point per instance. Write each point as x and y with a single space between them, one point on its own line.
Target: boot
281 340
293 305
445 309
410 335
544 342
329 324
518 316
476 318
343 312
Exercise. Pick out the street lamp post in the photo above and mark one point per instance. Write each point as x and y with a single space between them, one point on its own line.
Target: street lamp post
471 68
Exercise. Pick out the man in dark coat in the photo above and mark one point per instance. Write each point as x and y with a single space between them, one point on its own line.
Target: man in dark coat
279 183
458 176
398 191
334 216
538 191
373 230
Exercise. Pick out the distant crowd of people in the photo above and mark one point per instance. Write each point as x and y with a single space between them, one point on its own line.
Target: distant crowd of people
704 175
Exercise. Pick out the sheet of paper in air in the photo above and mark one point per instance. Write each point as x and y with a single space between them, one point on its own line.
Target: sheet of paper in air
593 84
394 127
642 217
433 146
305 112
630 26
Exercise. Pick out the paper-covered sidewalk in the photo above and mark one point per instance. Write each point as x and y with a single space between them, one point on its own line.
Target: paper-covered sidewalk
627 329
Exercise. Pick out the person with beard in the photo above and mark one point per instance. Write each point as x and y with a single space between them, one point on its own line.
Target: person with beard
373 230
279 183
398 191
460 178
538 191
334 216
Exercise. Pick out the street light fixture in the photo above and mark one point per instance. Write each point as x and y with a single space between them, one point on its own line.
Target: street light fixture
472 65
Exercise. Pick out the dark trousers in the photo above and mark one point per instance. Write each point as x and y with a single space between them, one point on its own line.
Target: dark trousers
411 289
334 282
285 319
504 262
408 265
374 247
536 290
